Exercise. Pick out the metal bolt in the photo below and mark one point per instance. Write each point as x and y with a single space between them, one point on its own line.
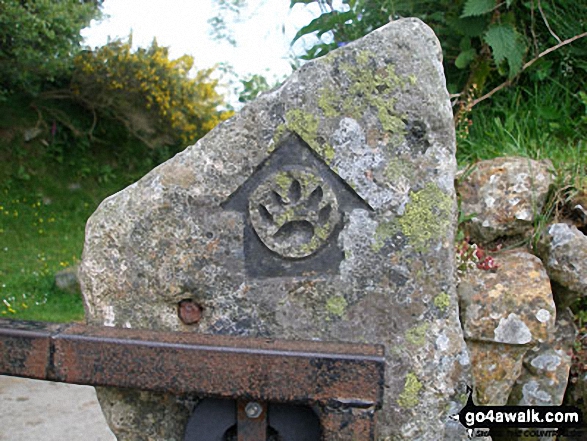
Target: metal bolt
189 312
253 410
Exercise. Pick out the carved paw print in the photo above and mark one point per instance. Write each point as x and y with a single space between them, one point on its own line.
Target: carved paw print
294 213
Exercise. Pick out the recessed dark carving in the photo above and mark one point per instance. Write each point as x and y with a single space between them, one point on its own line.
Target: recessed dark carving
294 207
291 212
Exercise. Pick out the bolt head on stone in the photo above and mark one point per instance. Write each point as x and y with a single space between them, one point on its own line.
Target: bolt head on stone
189 312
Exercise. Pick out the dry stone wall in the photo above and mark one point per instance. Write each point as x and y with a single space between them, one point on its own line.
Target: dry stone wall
515 315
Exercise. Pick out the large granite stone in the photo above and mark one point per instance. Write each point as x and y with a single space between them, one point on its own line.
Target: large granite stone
323 210
504 195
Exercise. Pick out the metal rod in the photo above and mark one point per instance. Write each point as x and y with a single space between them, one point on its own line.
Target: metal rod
207 365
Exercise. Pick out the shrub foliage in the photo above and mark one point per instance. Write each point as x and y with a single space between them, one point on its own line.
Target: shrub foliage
37 40
155 97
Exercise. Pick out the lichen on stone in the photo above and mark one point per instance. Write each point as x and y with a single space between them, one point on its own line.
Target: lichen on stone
384 231
328 102
368 88
306 126
409 396
336 305
397 169
427 216
417 334
442 301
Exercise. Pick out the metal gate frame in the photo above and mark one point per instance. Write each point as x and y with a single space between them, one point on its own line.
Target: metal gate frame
343 381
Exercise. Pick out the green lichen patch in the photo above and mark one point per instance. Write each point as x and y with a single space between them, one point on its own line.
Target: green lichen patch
336 305
368 89
384 231
306 126
409 396
283 180
442 301
397 169
428 216
417 334
328 101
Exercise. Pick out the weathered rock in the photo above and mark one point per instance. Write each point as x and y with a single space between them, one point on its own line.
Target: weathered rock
504 195
504 313
323 210
545 375
511 305
495 368
563 249
68 280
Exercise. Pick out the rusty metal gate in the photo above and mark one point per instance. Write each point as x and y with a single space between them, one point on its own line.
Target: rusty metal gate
258 389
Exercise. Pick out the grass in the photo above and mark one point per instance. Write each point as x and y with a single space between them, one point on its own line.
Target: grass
545 122
41 232
48 189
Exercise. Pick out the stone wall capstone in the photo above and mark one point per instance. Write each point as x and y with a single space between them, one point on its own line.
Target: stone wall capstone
323 210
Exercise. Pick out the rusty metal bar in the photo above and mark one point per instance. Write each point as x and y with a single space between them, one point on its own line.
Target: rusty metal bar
308 372
251 421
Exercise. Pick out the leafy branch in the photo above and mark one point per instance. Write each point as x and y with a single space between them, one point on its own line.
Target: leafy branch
509 81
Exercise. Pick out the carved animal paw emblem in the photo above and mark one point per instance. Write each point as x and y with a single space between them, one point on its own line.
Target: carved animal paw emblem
294 212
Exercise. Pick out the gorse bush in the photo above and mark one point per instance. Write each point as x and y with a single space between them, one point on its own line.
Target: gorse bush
152 95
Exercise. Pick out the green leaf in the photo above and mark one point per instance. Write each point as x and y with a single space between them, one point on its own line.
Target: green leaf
470 26
506 44
465 58
324 23
465 44
474 8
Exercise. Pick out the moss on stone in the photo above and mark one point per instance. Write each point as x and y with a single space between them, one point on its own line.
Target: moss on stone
336 305
427 216
384 231
409 396
442 301
417 334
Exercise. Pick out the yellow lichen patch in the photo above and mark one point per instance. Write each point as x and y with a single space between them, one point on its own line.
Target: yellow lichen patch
328 101
442 301
409 396
368 89
427 216
417 334
384 231
336 305
306 126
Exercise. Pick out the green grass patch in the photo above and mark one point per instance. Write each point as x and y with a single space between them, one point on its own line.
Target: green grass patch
48 189
544 122
42 225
